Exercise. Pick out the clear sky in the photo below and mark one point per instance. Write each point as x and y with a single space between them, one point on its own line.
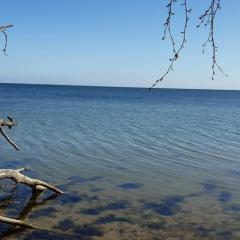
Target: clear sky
113 43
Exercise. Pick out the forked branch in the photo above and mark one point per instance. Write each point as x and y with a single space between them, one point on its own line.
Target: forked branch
16 175
8 123
19 223
35 184
168 31
207 19
3 30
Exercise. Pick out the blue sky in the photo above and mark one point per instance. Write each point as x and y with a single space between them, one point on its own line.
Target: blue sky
113 43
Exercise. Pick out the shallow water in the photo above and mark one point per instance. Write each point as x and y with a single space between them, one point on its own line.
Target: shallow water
134 164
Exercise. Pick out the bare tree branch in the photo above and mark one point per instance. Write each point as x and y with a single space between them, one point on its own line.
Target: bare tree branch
207 19
9 123
35 184
17 222
18 177
167 28
3 29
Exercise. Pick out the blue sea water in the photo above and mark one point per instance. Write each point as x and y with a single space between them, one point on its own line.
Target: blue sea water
162 161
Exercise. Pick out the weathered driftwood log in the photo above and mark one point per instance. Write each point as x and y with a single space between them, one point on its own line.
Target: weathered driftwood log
32 203
35 184
19 223
18 177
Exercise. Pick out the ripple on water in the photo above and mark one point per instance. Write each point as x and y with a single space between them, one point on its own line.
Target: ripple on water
117 142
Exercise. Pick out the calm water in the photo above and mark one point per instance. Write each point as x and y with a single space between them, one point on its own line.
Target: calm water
134 164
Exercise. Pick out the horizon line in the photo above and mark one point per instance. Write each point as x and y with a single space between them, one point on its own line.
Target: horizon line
104 86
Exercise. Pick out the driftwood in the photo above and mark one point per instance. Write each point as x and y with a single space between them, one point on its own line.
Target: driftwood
19 223
18 177
35 184
32 203
8 123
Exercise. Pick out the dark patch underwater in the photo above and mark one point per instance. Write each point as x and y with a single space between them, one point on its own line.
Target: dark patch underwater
168 207
127 186
81 231
88 230
117 205
69 198
65 225
224 196
209 187
46 212
111 218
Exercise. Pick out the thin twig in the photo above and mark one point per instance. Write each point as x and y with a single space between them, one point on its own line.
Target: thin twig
8 123
208 20
3 29
8 139
167 28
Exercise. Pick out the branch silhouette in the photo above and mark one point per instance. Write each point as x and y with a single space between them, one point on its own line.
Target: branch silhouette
3 30
16 175
207 19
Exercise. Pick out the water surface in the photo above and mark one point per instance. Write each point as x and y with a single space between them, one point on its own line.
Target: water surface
134 164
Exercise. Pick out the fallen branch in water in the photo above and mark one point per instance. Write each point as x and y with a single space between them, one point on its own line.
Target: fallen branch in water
18 177
8 123
19 223
35 184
